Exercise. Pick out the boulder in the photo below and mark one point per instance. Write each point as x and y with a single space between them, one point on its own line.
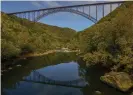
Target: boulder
131 93
119 80
10 68
98 92
18 65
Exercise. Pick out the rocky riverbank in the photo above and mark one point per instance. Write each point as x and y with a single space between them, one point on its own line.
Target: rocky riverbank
6 67
45 53
119 80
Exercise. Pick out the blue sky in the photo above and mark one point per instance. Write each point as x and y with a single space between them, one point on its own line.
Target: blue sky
62 19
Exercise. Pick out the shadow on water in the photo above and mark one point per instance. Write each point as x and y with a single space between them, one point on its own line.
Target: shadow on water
64 66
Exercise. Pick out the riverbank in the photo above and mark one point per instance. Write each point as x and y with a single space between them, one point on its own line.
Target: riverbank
45 53
8 64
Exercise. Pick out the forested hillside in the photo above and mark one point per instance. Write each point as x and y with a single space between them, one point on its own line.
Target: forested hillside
110 41
20 36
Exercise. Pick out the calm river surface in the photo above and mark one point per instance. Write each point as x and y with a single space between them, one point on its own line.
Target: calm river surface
56 66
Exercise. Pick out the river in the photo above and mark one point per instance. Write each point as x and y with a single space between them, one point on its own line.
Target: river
56 66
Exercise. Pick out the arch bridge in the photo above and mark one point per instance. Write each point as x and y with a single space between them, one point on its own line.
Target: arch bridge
93 12
36 77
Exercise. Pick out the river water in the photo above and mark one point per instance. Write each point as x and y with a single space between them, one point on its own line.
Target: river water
56 66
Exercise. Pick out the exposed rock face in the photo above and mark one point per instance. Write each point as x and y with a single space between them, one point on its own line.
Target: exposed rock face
120 80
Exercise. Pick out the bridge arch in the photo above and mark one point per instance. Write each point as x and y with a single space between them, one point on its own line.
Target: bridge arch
35 15
36 77
66 10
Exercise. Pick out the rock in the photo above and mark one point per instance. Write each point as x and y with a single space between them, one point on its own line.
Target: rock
4 70
119 80
131 93
24 58
9 68
18 65
98 92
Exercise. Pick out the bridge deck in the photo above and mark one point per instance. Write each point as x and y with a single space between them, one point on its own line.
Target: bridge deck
93 12
70 6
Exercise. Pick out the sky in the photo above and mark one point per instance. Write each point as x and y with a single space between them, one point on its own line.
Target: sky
61 19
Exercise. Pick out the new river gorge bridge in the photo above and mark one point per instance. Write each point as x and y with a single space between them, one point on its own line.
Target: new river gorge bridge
93 12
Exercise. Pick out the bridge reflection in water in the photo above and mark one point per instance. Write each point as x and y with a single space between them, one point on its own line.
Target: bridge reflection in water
36 77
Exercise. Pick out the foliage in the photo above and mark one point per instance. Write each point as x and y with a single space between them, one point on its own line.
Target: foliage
8 49
20 36
110 41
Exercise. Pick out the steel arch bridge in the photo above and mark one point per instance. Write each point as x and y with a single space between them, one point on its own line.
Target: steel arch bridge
36 77
89 11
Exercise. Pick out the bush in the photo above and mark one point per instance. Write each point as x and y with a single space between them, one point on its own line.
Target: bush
27 48
8 50
110 41
20 36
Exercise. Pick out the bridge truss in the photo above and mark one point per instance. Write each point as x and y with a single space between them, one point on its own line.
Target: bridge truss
93 12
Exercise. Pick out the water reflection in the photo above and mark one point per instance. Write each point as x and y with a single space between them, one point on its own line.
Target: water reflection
30 64
61 71
57 66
